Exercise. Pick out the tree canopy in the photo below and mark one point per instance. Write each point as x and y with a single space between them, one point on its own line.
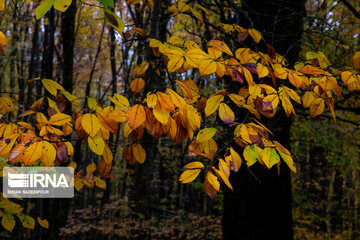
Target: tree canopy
116 79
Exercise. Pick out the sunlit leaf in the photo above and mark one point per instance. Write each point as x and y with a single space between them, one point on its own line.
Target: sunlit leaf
96 144
225 113
136 116
137 85
205 134
189 175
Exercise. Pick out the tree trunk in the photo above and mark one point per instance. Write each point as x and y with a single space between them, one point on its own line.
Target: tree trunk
68 41
261 208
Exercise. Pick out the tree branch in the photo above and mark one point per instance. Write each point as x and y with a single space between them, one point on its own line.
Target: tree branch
351 8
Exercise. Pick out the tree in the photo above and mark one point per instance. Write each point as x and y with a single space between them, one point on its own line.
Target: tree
241 81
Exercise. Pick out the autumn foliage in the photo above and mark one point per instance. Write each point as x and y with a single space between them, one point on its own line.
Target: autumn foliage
44 134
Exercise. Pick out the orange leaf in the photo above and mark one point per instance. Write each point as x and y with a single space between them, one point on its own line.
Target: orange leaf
139 153
189 175
194 165
255 34
221 46
136 116
165 101
137 84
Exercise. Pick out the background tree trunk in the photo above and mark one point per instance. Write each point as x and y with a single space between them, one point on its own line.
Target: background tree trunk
262 209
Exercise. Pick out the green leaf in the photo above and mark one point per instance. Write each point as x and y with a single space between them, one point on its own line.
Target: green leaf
250 155
43 7
114 20
107 3
8 221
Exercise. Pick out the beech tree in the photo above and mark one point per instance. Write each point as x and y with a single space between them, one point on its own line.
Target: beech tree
221 79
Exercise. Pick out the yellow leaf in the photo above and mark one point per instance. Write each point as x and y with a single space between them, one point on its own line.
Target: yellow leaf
41 120
207 67
287 159
59 119
91 124
139 153
96 144
235 160
151 100
193 88
205 134
161 114
43 222
317 107
213 180
225 113
32 153
298 80
356 60
136 116
6 145
287 105
221 46
189 175
195 56
79 184
223 178
262 70
308 98
348 77
27 221
194 165
237 99
53 105
107 155
137 84
93 104
117 115
255 34
62 5
176 99
292 94
193 118
210 148
8 221
100 183
51 86
175 63
269 157
224 167
48 154
2 8
90 168
120 101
